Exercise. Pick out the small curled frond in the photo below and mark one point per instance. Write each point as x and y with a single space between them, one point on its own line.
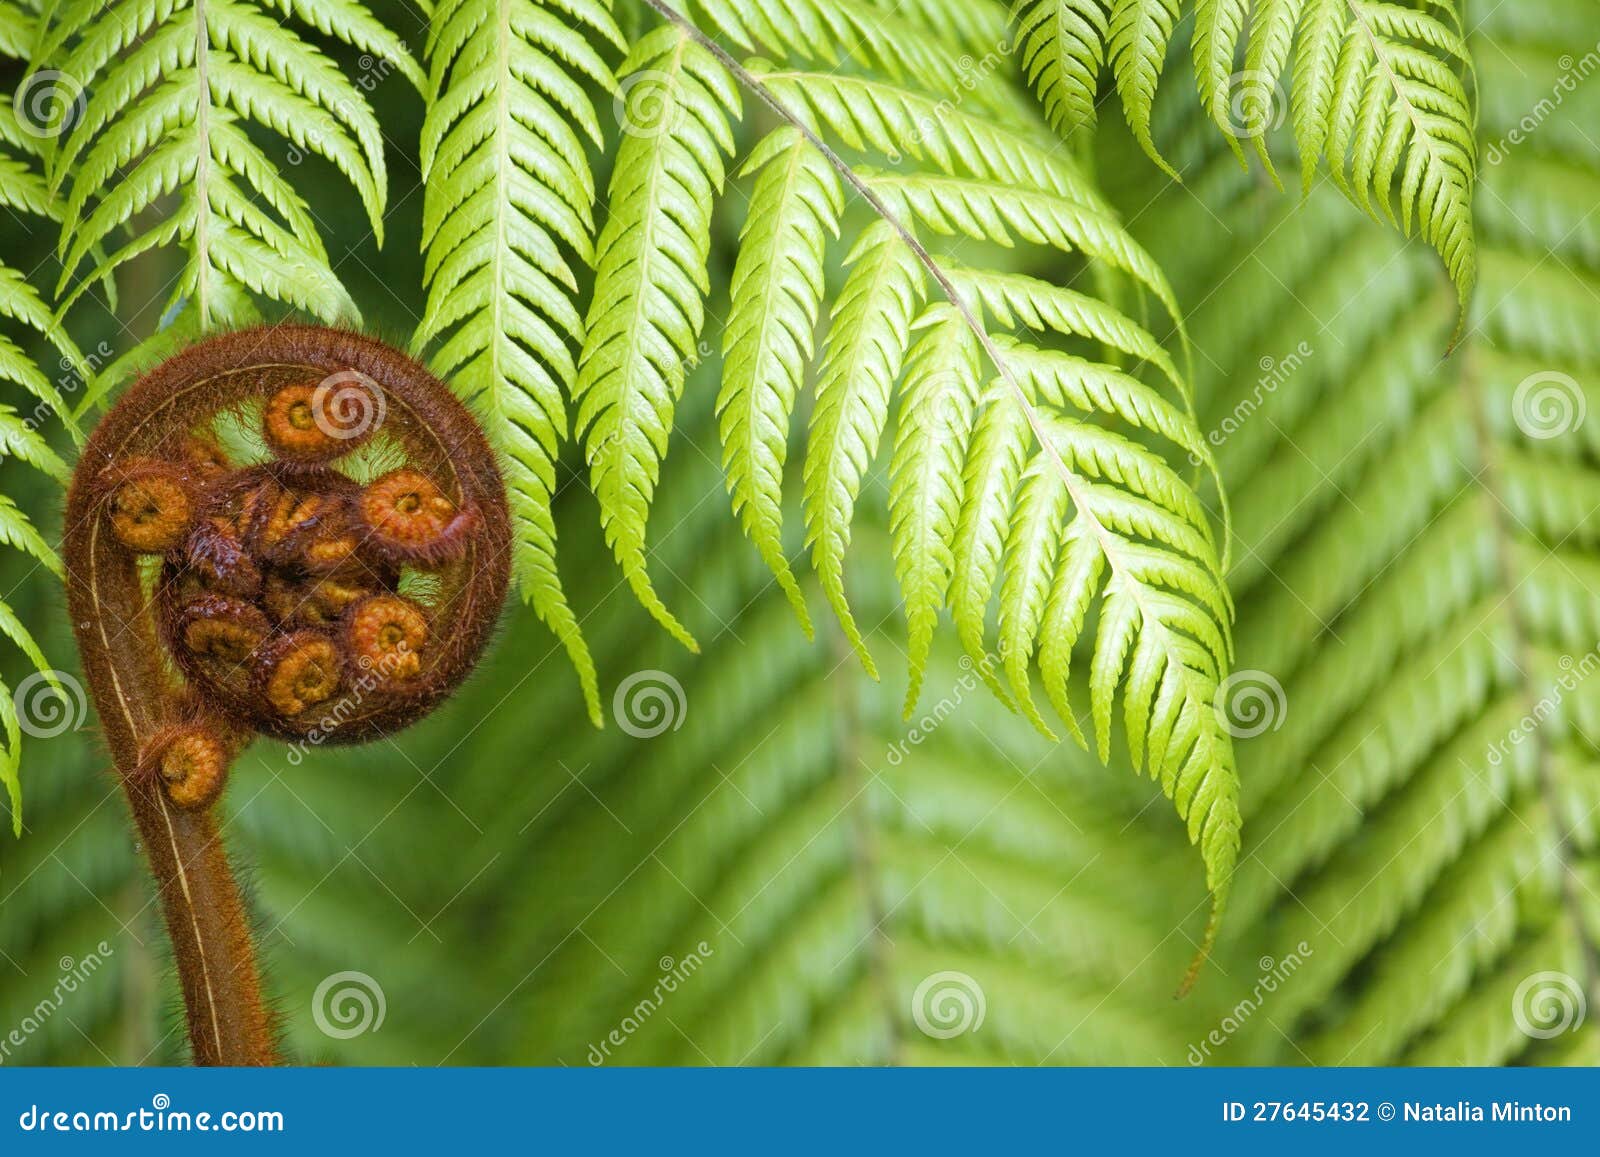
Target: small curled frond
236 567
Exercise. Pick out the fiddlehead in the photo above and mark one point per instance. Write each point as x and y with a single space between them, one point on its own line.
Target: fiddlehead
289 531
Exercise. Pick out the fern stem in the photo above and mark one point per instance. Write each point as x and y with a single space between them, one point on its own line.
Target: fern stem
200 899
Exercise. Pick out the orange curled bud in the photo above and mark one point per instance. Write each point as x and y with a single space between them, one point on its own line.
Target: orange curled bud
292 429
411 519
194 768
319 421
387 634
150 508
224 629
299 672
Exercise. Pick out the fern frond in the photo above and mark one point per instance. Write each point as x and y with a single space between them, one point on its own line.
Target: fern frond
942 381
1063 52
174 87
866 344
1381 90
643 328
1419 556
1401 127
507 186
831 34
1137 35
23 192
776 296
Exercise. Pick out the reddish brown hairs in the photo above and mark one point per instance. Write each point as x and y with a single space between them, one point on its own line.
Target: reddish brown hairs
292 531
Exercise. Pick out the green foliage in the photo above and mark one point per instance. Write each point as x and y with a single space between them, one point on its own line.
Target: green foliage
23 192
1381 92
1416 571
506 184
643 329
973 374
157 100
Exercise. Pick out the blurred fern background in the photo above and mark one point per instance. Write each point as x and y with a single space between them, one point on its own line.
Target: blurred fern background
825 880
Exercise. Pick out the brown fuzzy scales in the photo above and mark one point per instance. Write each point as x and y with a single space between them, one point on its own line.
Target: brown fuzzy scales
277 609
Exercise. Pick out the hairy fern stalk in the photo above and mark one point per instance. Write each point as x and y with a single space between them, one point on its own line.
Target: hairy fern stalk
876 282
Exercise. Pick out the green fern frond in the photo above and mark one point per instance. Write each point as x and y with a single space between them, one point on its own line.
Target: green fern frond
23 192
836 34
776 296
1381 90
1416 582
1063 46
867 338
172 91
643 328
942 380
1137 35
507 189
1131 513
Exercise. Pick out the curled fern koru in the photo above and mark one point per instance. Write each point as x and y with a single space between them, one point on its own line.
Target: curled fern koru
290 531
